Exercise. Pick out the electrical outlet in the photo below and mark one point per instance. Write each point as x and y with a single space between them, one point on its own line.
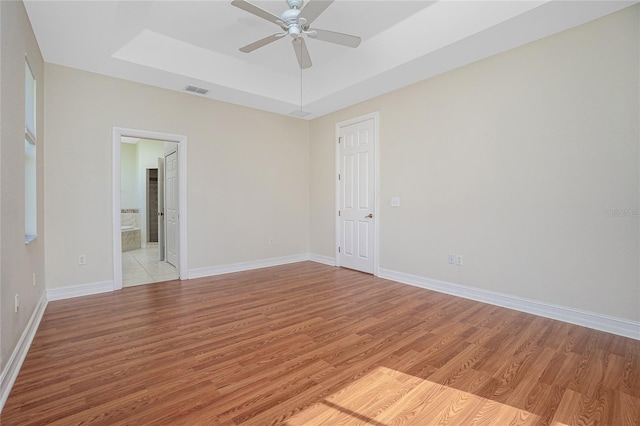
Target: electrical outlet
17 302
82 259
459 260
452 259
271 241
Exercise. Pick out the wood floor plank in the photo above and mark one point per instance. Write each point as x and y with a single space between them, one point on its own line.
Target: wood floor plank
311 344
626 409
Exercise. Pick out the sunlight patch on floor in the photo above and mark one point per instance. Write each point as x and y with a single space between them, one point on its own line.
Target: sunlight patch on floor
386 396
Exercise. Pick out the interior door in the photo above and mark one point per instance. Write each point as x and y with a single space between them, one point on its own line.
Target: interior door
161 233
357 196
171 207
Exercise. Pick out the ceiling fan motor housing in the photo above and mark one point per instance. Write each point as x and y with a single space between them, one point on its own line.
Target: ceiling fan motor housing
290 19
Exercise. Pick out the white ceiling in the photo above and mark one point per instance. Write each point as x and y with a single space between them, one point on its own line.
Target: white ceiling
172 44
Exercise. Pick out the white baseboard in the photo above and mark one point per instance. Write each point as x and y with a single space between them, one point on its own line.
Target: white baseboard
107 286
245 266
596 321
79 290
325 260
12 367
593 320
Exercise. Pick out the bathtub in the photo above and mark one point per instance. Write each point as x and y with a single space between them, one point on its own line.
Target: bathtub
130 237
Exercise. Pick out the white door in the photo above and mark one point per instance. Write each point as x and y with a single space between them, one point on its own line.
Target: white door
161 245
357 195
171 207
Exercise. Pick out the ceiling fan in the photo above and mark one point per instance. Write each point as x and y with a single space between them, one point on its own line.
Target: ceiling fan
296 22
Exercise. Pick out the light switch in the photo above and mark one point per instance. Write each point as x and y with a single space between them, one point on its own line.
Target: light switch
395 201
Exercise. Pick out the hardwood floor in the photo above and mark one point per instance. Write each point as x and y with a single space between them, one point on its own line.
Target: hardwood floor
308 344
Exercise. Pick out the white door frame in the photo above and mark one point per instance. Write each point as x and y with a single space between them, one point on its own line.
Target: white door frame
376 173
118 133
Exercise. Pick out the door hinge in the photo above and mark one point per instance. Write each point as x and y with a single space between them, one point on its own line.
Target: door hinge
338 212
340 140
339 176
338 249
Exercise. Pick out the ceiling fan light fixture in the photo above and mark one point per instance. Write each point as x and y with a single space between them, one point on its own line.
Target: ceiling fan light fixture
295 31
296 22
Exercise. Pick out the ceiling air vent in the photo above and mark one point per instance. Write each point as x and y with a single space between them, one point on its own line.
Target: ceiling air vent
195 89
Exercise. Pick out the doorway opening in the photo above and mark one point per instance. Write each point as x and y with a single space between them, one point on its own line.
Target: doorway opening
146 258
149 200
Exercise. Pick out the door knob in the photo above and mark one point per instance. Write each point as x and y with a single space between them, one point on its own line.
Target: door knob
369 216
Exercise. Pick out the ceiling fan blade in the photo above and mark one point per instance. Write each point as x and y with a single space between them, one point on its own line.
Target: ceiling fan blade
262 42
251 8
302 53
313 9
334 37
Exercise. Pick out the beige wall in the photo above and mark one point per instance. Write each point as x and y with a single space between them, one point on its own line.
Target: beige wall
247 174
512 162
18 262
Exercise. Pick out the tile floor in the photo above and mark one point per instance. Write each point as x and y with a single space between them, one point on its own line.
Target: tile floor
142 266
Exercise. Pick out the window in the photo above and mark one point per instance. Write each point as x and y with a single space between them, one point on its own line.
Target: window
30 155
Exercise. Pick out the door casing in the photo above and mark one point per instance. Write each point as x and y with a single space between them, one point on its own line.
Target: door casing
376 242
